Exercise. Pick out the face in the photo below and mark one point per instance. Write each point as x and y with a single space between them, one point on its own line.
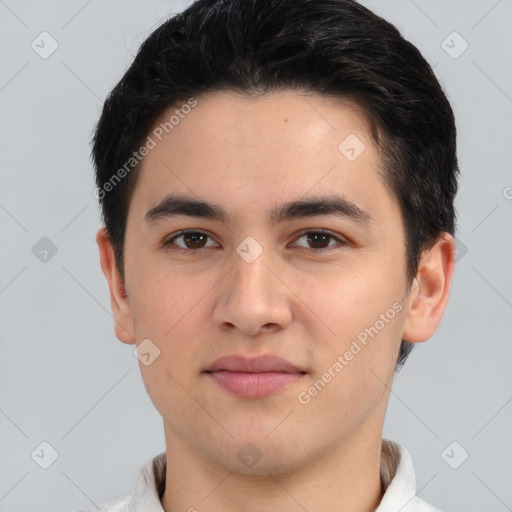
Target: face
321 286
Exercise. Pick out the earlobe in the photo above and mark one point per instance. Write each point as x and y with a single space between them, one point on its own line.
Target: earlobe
430 290
118 299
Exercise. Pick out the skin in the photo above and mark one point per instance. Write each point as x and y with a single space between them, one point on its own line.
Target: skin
248 154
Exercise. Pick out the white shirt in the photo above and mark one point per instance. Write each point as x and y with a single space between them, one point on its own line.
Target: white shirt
397 476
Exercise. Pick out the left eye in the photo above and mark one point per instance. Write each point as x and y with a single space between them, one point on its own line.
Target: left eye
196 240
320 238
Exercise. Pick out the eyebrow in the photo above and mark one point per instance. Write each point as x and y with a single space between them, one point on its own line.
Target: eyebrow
175 205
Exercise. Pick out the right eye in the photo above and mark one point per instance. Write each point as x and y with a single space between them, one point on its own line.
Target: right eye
192 241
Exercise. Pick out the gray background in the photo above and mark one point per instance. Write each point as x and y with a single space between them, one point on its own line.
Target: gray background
67 380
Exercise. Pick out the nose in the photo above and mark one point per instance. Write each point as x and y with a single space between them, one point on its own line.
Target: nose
253 297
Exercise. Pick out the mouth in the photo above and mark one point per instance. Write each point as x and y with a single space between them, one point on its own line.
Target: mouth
254 377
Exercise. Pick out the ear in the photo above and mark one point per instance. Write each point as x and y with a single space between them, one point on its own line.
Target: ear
118 300
430 290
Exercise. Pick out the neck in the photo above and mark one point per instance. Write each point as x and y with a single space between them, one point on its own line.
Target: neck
345 477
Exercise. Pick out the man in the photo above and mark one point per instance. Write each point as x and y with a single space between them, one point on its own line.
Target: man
277 182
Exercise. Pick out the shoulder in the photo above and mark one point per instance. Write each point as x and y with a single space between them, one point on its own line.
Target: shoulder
399 481
147 491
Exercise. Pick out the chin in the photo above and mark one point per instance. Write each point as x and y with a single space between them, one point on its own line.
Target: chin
259 455
269 464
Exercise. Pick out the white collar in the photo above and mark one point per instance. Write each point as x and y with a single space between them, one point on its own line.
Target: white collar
399 481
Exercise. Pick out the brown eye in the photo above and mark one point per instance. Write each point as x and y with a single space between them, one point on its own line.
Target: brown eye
320 240
190 241
194 240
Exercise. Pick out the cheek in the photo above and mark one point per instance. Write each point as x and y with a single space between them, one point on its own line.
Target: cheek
361 318
171 391
347 297
165 296
355 371
166 310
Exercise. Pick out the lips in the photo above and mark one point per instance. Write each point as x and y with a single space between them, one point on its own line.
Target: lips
255 377
259 364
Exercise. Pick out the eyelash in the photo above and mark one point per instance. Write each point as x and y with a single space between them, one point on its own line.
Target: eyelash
168 242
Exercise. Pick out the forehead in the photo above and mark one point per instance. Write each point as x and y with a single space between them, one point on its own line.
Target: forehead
247 152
